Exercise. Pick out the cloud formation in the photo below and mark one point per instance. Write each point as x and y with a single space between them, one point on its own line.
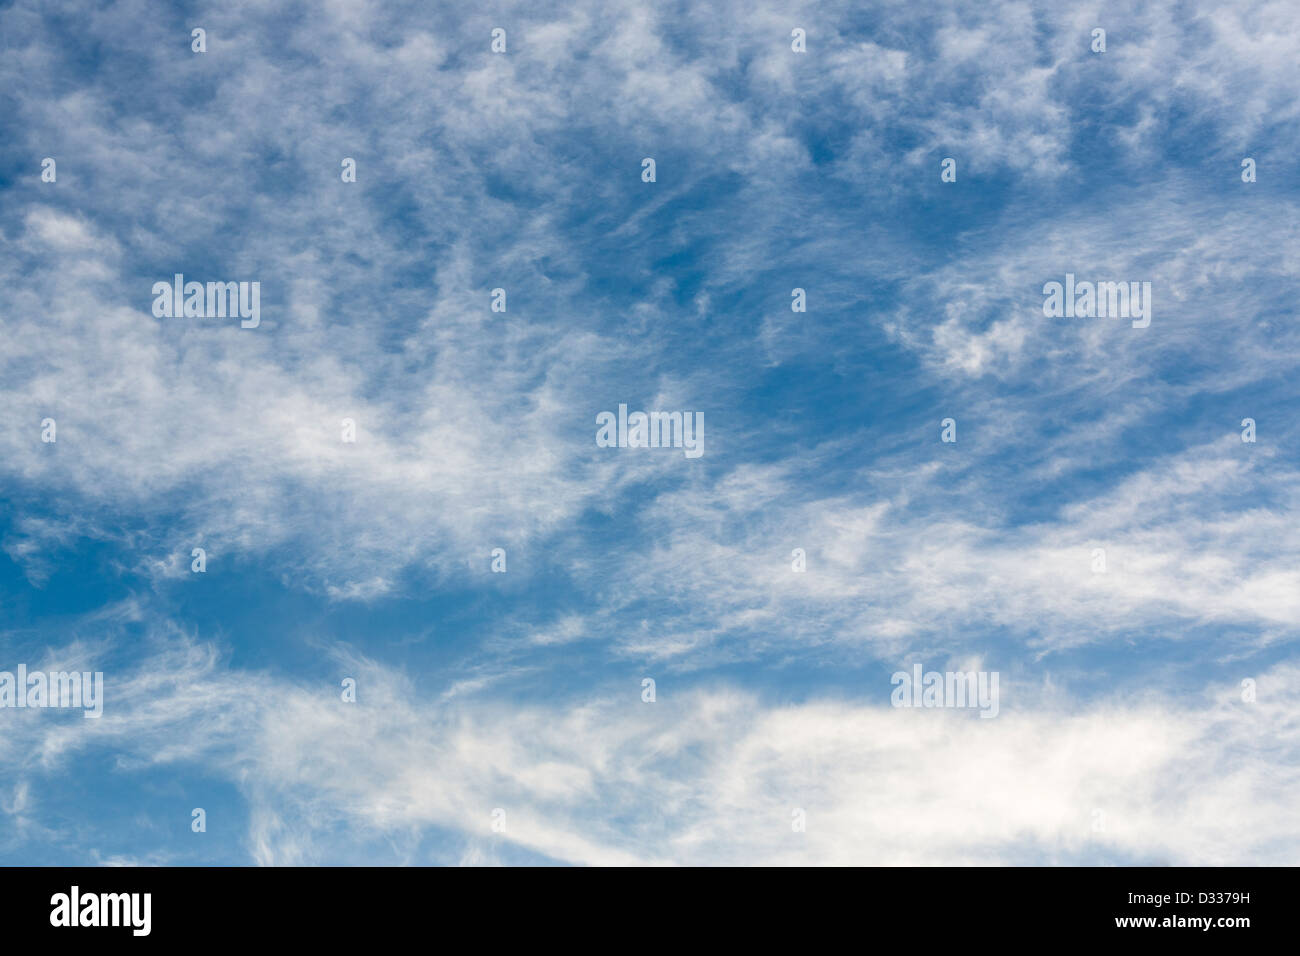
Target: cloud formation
476 430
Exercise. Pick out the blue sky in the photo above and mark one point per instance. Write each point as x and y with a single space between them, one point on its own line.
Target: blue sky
1121 692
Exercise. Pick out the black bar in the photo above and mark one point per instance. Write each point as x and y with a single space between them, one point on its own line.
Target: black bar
654 909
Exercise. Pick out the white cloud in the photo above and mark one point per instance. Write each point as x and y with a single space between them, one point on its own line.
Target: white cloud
712 775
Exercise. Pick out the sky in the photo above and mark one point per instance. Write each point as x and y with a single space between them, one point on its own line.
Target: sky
1101 535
